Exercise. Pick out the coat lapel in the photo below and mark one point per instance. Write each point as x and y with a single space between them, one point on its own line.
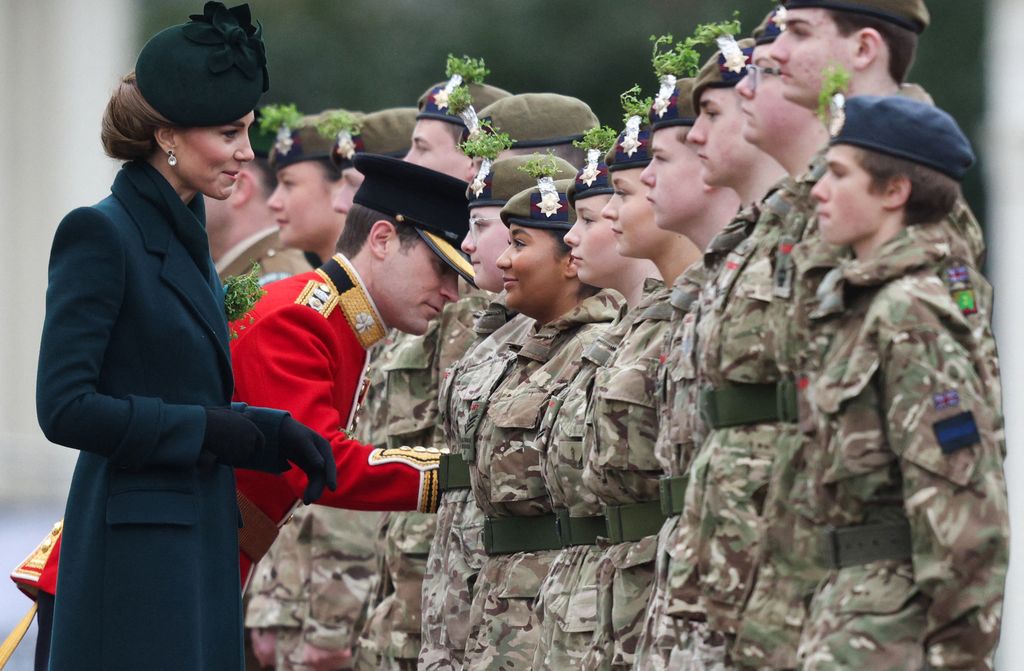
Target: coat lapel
202 295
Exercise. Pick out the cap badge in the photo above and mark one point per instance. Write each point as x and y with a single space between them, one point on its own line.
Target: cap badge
735 60
480 181
664 98
345 145
592 171
631 142
441 97
550 203
837 114
781 17
283 143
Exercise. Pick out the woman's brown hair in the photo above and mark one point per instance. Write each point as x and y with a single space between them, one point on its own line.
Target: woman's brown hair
129 123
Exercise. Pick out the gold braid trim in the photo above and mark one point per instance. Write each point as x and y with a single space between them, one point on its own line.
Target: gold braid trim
32 568
420 458
430 492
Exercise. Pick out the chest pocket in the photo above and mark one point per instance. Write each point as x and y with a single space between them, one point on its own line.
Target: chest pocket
411 393
624 419
471 389
515 463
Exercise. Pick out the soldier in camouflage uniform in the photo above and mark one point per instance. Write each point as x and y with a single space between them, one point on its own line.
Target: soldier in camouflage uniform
567 603
621 418
790 561
457 551
505 462
907 476
699 212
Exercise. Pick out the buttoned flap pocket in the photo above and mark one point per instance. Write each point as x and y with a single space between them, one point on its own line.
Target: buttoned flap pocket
570 592
515 462
880 587
526 571
632 582
412 533
625 422
411 390
755 281
152 497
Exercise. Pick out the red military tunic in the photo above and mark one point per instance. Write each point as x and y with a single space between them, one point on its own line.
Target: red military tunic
304 351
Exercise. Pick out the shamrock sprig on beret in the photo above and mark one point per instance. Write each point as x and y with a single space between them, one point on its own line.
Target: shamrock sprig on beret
240 41
835 83
470 70
340 126
282 119
596 142
485 145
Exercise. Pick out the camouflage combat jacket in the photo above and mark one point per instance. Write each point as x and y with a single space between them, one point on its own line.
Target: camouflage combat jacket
456 551
907 407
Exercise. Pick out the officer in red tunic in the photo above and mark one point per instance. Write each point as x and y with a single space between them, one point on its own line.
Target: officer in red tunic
303 347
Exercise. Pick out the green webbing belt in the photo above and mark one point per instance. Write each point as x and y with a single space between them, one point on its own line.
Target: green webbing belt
741 404
506 535
452 472
633 521
672 490
578 530
865 543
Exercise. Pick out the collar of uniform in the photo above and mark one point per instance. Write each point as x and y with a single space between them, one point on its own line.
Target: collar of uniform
240 248
914 247
356 303
735 232
815 169
603 307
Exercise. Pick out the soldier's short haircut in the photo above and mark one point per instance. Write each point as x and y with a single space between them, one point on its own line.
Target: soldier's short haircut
932 194
574 156
358 222
902 42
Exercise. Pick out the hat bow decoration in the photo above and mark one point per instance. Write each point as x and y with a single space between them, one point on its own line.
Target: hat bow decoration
240 41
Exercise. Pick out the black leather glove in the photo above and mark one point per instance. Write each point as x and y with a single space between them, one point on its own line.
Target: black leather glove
311 452
230 438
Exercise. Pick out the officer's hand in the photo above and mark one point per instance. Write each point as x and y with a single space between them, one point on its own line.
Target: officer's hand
230 438
264 646
308 450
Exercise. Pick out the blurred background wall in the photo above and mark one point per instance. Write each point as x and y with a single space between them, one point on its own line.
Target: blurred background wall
59 60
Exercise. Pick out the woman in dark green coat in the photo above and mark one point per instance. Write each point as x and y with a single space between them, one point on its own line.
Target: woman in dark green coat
135 370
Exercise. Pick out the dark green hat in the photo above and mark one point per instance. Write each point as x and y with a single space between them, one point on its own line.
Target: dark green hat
910 14
545 205
505 178
540 119
303 142
906 129
387 132
430 201
724 69
209 71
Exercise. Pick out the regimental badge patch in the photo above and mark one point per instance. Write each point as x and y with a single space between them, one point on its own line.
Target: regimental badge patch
956 432
959 280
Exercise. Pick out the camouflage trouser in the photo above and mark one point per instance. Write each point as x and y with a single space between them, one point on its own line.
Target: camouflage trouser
504 632
625 580
866 617
455 559
567 609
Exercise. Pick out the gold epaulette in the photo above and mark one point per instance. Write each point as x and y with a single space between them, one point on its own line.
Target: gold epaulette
31 569
339 285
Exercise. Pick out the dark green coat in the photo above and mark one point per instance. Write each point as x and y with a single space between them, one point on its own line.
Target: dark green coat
134 345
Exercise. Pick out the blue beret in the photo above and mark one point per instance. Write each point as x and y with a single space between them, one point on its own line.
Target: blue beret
907 129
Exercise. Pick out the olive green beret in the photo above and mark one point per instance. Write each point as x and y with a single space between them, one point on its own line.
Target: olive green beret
387 132
677 109
430 107
910 14
549 210
505 178
540 119
717 74
632 149
209 71
303 143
